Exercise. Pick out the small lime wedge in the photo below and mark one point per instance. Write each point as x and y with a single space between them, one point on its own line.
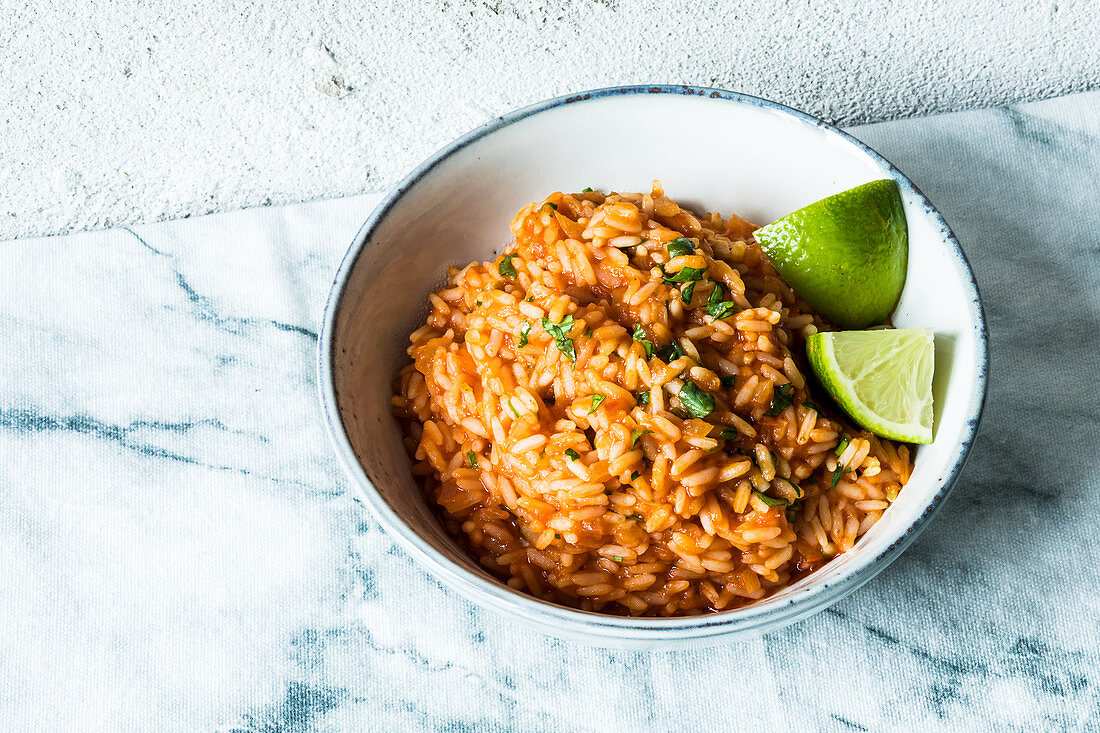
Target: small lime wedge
882 378
845 254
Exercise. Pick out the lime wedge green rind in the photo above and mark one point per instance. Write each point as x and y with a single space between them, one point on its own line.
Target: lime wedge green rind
846 255
882 378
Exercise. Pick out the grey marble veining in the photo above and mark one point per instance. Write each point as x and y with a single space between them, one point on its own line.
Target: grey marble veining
177 550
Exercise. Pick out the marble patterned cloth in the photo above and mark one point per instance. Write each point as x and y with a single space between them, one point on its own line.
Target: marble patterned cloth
178 549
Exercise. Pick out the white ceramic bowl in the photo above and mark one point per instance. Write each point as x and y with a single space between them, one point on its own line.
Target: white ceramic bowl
713 151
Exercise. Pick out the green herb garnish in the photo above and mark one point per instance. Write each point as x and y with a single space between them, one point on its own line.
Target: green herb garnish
836 478
471 457
769 500
716 306
687 274
636 434
616 558
841 446
552 206
560 333
811 405
524 335
686 292
697 402
586 189
597 400
635 517
572 453
728 433
679 246
725 309
729 381
513 408
639 336
635 476
643 398
781 399
670 353
506 268
793 510
588 332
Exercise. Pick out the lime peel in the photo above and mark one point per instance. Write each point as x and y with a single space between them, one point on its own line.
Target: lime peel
846 254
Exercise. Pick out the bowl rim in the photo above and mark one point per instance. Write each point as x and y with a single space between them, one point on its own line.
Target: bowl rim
563 620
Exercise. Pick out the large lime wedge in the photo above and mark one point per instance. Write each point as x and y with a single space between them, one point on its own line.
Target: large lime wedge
882 378
846 254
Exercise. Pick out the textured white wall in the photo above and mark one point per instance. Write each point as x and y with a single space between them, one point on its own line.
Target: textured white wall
119 112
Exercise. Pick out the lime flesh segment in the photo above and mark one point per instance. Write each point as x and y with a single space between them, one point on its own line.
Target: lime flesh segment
882 378
846 255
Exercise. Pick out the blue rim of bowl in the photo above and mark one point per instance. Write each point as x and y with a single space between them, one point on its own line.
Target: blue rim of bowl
570 621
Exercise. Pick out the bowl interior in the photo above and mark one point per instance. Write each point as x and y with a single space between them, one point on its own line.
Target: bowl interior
710 154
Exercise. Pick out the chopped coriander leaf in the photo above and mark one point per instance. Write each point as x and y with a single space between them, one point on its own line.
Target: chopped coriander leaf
844 441
616 558
697 402
793 510
671 353
506 268
635 517
716 306
679 246
686 292
552 206
729 433
479 304
635 476
560 333
639 336
597 400
729 381
725 309
769 500
687 274
530 299
781 399
557 536
811 405
572 453
588 332
636 434
524 335
643 398
586 189
471 458
513 408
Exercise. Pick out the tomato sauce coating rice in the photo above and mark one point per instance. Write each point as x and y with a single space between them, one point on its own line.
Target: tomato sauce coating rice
613 416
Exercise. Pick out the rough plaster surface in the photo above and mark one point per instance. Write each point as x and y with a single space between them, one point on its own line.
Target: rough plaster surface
118 112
